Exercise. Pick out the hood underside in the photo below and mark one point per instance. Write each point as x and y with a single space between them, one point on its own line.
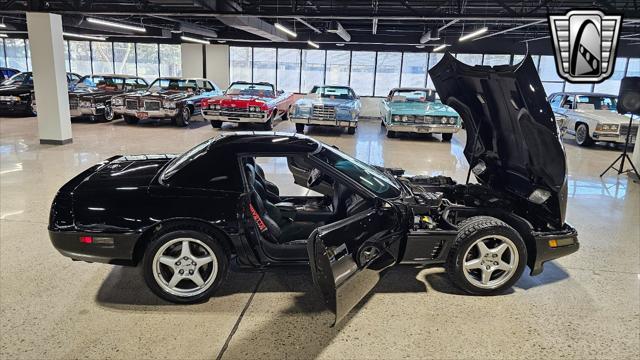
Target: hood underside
512 136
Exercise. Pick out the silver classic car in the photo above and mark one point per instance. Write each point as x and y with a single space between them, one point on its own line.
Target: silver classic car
591 117
416 110
328 106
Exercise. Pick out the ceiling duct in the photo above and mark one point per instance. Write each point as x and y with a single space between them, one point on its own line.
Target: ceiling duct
433 34
196 29
336 28
251 25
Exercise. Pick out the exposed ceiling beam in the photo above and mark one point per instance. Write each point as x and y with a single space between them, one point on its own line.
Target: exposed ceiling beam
374 26
305 23
508 30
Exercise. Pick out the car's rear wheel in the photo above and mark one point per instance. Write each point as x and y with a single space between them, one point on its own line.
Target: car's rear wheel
185 266
109 115
268 125
447 137
351 130
582 135
217 124
183 117
131 119
300 128
487 257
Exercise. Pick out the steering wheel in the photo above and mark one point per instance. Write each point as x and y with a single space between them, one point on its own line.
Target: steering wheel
314 178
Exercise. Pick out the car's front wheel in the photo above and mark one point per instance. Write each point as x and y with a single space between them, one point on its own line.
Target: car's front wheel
185 266
131 119
351 130
109 115
487 257
183 117
300 128
216 124
582 135
447 136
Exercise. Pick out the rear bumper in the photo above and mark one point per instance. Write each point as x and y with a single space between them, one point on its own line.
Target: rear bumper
567 243
239 117
325 122
119 252
162 113
423 128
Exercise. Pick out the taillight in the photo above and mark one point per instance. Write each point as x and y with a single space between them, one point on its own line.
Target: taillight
204 103
86 239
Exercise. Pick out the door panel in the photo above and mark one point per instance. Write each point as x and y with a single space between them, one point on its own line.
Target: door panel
348 256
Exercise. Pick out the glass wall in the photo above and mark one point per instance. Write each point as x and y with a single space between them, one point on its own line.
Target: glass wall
15 54
102 59
240 64
288 70
414 67
312 69
363 69
612 84
170 60
80 57
148 61
264 65
388 66
338 65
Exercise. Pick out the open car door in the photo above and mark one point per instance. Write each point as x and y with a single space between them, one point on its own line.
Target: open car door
348 256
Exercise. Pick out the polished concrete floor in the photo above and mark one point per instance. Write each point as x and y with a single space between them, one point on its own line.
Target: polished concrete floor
583 306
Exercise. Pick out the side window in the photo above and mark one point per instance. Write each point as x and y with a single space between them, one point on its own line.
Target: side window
277 172
208 86
200 84
556 100
568 102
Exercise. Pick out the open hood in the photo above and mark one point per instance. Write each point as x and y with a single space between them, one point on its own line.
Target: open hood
512 136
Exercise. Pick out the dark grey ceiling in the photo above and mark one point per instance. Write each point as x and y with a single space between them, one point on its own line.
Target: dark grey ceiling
379 25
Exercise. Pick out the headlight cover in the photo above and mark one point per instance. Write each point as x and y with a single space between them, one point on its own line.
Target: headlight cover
117 101
607 127
169 104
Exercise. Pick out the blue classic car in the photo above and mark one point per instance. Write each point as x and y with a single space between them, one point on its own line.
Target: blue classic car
329 106
416 110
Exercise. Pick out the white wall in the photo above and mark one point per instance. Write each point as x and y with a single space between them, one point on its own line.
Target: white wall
192 61
218 64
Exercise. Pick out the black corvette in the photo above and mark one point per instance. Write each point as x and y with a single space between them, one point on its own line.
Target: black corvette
184 218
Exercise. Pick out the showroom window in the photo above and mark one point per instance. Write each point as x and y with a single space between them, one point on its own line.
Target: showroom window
264 65
3 60
239 63
102 57
337 70
80 57
387 72
470 59
170 60
414 70
288 70
363 68
612 85
148 61
125 58
16 54
496 59
549 75
434 58
312 69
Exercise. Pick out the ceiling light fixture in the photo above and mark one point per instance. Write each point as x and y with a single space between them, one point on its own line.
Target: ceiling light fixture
311 43
2 25
81 36
285 30
420 46
340 44
4 35
440 47
116 25
190 39
473 34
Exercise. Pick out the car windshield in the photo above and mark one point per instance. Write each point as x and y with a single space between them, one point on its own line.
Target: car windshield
188 156
595 102
332 92
173 84
251 89
413 96
101 82
364 174
18 79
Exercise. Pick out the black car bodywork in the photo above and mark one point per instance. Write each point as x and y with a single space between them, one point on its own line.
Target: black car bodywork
91 95
368 218
17 94
6 73
174 98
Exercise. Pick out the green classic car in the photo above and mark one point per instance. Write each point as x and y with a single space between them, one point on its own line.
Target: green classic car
416 110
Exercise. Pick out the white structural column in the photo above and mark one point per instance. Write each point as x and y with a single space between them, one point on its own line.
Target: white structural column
218 64
49 77
192 60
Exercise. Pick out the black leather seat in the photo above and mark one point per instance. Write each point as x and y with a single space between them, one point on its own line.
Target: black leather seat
277 228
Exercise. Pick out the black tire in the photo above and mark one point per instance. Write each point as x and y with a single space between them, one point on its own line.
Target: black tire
447 137
109 115
183 117
300 128
217 124
351 130
391 134
472 231
171 234
285 116
132 120
582 135
382 123
268 125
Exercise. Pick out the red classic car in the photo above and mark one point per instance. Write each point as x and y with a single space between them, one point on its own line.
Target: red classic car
245 102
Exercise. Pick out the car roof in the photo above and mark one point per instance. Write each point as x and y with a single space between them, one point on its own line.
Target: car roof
116 75
180 78
412 89
268 142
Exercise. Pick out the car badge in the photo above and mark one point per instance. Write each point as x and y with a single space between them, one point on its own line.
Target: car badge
585 43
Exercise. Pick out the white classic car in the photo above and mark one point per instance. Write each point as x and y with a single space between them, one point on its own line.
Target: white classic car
591 117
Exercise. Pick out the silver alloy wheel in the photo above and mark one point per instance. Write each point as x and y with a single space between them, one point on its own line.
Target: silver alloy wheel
185 267
490 267
186 114
581 134
108 112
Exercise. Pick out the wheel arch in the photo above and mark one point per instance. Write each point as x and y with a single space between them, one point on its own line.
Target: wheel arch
182 224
